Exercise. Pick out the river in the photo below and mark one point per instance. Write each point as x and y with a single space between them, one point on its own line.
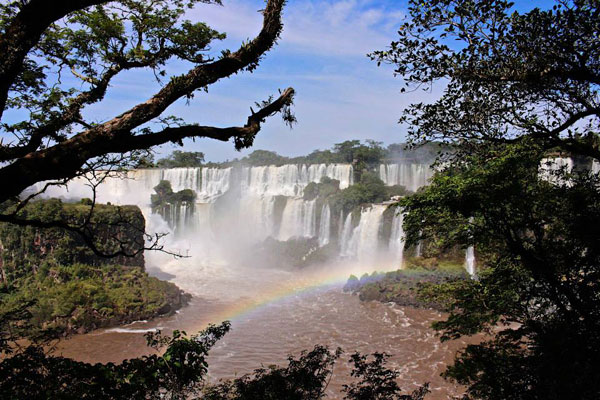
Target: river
275 313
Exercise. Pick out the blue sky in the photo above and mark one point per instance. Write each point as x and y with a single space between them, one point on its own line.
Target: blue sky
341 94
322 53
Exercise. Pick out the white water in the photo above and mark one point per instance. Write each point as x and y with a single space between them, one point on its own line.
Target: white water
182 178
325 225
291 179
299 219
237 208
470 263
215 182
397 239
411 176
363 244
346 235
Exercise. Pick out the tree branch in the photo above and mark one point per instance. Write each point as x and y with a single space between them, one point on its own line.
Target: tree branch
25 31
66 158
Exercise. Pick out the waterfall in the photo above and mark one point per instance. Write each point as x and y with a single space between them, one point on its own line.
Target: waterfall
346 235
298 220
363 243
256 217
419 249
595 167
470 262
325 226
182 178
217 224
215 182
411 176
340 225
397 240
291 179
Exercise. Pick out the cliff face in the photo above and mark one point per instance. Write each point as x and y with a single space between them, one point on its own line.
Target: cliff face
24 249
68 288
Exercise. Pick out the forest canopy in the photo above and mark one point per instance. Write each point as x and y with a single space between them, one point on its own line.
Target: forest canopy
519 88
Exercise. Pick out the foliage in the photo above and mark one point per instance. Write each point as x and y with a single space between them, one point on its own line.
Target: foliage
407 287
53 277
541 244
79 298
264 157
176 374
370 189
165 195
114 229
376 381
519 87
509 75
182 159
327 187
180 373
60 58
351 151
304 378
143 160
308 376
362 156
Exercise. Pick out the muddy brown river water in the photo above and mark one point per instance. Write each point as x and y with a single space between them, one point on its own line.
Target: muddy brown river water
276 313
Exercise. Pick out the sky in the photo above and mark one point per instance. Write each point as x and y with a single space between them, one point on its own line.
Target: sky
340 93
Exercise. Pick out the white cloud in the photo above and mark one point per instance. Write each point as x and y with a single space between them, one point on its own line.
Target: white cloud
341 95
338 27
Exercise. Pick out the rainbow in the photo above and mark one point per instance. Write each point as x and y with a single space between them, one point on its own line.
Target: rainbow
302 285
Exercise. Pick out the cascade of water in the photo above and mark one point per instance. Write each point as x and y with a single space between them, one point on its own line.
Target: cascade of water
250 215
131 187
411 176
272 180
182 178
419 249
364 242
325 226
215 182
291 179
340 225
309 221
396 245
257 216
470 261
346 235
595 167
298 220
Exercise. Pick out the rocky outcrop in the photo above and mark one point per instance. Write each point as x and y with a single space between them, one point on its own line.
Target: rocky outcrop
402 286
70 289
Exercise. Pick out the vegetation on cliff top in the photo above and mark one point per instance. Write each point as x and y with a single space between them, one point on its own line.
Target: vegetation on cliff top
368 190
79 298
66 287
114 229
361 155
